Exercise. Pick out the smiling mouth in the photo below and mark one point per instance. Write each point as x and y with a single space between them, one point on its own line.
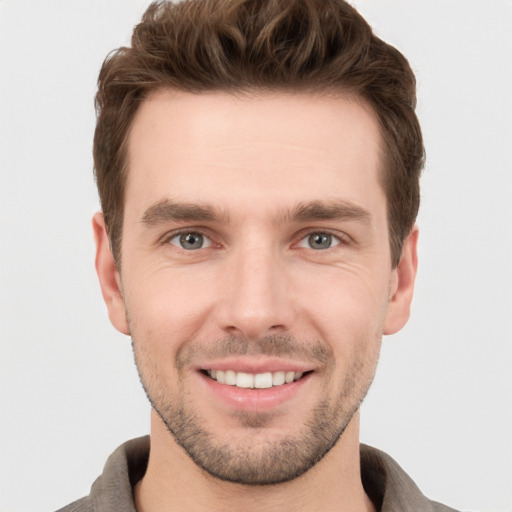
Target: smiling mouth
254 380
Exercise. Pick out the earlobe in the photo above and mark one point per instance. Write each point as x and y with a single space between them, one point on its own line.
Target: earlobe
402 287
108 276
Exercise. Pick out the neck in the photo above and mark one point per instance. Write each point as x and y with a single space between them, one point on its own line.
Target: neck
172 477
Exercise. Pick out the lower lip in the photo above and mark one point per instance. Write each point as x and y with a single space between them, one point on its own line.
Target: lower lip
246 399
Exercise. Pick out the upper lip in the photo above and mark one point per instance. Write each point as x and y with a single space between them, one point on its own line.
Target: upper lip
259 365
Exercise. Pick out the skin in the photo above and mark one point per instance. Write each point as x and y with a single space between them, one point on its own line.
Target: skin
253 162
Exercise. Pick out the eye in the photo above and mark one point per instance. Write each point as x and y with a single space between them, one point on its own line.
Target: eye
319 241
190 241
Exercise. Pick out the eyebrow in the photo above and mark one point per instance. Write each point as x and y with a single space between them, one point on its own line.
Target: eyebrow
167 211
327 210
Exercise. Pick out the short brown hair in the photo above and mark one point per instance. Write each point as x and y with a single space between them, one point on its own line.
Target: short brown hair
245 45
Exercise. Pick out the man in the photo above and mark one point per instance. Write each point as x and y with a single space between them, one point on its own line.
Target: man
258 168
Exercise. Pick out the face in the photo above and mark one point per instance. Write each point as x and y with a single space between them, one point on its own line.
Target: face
256 276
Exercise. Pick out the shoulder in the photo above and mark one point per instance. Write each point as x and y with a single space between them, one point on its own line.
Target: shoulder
113 489
81 505
390 487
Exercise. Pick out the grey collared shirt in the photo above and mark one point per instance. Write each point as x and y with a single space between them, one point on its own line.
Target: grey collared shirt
385 482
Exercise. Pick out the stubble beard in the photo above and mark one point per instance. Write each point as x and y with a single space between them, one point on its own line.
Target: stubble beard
256 459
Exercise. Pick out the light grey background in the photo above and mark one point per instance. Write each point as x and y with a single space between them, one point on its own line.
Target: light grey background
441 402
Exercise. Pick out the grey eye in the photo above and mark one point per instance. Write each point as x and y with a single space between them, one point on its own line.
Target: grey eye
319 241
190 241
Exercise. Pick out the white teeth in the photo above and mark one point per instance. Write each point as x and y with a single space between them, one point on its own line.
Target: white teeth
263 380
244 380
278 378
230 377
257 381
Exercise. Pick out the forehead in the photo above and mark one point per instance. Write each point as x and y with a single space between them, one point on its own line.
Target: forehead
220 146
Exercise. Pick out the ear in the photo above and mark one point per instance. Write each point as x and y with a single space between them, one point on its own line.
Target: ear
402 285
108 275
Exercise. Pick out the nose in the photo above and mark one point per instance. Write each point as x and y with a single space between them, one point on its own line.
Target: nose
256 298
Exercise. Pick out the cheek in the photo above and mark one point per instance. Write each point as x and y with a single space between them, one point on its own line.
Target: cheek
345 303
168 307
346 310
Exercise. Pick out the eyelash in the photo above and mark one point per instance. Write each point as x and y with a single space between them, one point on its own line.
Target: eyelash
303 242
170 236
341 238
